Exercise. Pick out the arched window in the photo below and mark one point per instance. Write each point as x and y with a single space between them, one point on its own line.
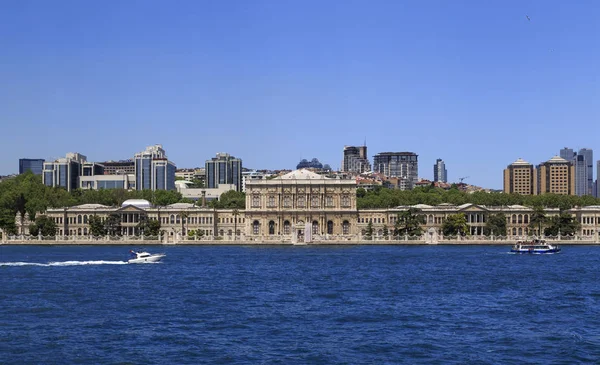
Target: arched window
526 218
79 230
345 227
315 227
172 219
85 232
287 227
177 219
221 233
329 227
520 218
514 218
271 227
255 227
520 231
229 233
514 230
78 219
85 219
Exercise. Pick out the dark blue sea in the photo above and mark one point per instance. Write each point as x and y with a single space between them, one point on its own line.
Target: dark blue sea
299 305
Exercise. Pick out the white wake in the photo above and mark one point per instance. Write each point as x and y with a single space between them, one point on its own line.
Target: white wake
65 263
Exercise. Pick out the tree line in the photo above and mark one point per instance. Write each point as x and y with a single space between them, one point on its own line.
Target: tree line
389 198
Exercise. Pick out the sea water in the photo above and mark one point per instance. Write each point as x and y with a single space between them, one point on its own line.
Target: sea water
299 305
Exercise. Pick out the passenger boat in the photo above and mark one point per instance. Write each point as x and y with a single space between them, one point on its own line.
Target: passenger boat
534 247
144 257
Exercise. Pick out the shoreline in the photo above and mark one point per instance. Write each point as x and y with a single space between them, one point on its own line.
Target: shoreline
270 243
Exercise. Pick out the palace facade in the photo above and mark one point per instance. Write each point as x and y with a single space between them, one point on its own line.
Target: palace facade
300 206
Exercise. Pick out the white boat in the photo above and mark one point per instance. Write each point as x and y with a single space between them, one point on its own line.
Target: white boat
534 247
144 257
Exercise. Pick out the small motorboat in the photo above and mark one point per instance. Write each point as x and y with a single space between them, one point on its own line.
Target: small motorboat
144 257
534 247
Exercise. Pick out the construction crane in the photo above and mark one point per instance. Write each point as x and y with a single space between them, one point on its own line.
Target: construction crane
462 178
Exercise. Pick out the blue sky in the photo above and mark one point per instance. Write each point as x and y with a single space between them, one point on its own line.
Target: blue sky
472 82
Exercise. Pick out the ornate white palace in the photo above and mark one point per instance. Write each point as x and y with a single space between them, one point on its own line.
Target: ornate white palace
300 206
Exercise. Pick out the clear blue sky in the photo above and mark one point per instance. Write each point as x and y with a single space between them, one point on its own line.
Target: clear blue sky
472 82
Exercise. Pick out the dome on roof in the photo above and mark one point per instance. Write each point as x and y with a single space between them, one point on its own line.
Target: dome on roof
138 203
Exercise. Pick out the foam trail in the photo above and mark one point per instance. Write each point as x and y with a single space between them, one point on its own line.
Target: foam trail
65 263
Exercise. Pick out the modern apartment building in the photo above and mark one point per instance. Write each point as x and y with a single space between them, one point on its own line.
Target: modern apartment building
355 159
153 170
35 165
440 174
64 172
223 169
556 176
403 165
520 178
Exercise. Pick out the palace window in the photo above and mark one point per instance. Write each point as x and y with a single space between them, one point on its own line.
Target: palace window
301 202
287 227
271 201
287 201
255 201
346 227
329 202
314 202
255 227
345 201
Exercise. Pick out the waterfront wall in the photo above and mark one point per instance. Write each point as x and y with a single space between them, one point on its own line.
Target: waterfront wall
269 240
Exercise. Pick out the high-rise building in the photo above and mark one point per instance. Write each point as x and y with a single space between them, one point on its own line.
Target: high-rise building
403 165
64 172
588 158
223 169
581 173
598 179
153 170
35 165
520 178
355 159
567 154
440 174
556 176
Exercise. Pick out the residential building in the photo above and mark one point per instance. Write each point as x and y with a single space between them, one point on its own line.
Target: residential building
35 165
520 178
223 169
355 159
64 172
440 174
556 176
119 167
153 170
403 165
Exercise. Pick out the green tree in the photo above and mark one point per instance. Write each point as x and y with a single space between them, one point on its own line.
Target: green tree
409 222
230 200
149 227
361 193
455 224
43 225
369 232
112 224
538 220
97 228
386 232
496 224
563 223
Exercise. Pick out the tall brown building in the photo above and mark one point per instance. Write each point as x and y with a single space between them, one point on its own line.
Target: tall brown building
520 178
556 176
